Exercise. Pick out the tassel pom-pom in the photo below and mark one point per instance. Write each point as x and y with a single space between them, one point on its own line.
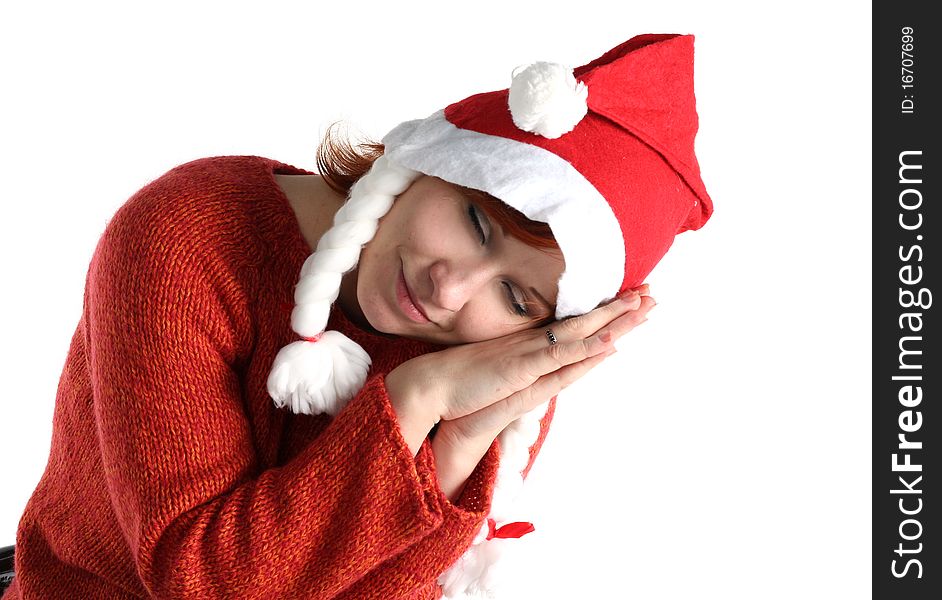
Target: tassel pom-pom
546 99
318 377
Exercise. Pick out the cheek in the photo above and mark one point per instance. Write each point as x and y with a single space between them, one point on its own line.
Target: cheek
367 263
486 321
376 269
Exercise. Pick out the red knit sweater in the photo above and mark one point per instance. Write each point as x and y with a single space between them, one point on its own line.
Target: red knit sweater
171 473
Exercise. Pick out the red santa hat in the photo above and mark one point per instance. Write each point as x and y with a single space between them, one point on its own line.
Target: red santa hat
603 153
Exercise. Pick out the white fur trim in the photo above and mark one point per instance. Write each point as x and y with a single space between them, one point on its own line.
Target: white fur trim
477 573
546 99
515 442
538 183
322 376
474 574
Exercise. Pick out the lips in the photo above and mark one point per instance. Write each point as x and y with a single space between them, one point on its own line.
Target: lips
406 302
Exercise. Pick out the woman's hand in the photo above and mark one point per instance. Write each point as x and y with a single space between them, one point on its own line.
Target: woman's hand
509 375
460 443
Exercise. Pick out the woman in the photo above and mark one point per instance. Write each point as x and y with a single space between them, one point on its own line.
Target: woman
434 319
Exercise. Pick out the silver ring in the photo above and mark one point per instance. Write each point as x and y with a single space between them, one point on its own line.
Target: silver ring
551 337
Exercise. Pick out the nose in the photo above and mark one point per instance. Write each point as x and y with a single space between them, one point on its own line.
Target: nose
453 285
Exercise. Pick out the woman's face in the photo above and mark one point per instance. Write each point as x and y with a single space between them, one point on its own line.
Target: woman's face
438 269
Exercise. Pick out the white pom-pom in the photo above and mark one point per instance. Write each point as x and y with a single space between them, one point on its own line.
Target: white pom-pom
546 99
318 377
471 575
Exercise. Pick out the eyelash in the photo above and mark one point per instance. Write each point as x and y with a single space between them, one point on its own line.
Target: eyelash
476 220
518 307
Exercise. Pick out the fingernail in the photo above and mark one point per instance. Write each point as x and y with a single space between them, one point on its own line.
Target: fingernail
610 352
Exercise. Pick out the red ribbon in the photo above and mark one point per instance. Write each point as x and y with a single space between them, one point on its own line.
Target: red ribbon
510 530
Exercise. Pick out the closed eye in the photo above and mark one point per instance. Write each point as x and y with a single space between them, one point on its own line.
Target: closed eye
517 300
479 222
518 305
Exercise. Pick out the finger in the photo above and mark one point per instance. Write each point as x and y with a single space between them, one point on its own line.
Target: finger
548 386
629 320
545 360
587 324
496 416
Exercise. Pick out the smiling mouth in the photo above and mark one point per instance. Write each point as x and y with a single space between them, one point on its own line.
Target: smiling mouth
406 302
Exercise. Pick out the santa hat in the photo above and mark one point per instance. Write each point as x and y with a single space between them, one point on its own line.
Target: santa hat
603 153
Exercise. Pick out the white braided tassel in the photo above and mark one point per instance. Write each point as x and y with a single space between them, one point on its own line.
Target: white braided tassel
323 371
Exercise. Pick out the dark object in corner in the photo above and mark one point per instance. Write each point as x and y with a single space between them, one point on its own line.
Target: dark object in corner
6 567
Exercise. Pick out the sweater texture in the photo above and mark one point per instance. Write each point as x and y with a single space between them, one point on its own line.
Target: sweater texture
171 473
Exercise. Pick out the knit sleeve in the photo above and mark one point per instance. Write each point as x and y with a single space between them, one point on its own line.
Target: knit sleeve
464 522
418 567
167 323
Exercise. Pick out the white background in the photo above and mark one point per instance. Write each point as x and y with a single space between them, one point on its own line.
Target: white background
724 452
